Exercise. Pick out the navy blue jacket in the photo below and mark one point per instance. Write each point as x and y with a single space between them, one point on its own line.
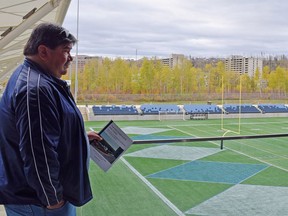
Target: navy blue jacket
43 143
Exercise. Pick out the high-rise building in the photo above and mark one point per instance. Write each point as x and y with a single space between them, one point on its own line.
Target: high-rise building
244 65
175 59
82 61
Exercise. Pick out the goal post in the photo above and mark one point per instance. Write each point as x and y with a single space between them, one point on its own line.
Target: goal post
165 115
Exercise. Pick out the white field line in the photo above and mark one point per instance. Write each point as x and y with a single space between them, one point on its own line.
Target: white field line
232 123
155 190
213 142
268 143
266 151
255 158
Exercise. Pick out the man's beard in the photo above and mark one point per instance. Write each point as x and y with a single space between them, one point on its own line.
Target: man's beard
65 69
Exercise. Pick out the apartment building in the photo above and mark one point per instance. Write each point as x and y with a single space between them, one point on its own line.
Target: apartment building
244 65
82 60
175 59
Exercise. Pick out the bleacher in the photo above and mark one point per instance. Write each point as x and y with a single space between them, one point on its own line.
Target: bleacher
115 110
273 108
153 109
195 111
244 108
201 108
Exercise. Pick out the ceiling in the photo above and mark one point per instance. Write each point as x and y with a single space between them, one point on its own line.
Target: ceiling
17 19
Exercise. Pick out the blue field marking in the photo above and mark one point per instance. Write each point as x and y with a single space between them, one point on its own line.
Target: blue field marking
216 172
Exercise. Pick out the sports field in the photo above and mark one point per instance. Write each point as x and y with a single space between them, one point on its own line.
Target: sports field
247 177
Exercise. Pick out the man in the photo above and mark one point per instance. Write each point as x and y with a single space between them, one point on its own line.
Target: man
44 152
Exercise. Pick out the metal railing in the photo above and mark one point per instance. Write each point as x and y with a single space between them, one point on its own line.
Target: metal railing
198 139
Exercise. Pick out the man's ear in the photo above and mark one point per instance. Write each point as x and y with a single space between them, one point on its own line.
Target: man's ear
42 52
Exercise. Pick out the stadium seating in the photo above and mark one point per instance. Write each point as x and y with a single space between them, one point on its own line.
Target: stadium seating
153 109
115 110
201 108
244 108
273 108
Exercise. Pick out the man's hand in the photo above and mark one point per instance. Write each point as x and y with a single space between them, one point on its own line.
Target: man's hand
58 205
92 135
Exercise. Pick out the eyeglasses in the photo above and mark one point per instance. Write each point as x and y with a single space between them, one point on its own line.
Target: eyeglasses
66 33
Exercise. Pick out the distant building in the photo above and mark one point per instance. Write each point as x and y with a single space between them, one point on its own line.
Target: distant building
201 62
82 60
244 65
175 59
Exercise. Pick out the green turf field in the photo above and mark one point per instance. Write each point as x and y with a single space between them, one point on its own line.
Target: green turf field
193 178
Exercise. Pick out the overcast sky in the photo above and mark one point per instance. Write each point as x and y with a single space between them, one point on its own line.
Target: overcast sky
197 28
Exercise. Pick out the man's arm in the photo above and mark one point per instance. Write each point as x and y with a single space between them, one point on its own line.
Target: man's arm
38 121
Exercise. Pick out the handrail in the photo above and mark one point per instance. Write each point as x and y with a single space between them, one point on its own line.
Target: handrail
197 139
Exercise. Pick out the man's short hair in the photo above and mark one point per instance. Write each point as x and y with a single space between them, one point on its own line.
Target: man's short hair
50 35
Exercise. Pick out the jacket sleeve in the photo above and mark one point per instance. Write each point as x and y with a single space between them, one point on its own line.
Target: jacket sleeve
38 122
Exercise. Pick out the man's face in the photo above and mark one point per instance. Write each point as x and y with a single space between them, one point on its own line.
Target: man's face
58 60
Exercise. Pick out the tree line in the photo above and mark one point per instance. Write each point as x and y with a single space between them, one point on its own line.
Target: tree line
151 77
